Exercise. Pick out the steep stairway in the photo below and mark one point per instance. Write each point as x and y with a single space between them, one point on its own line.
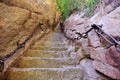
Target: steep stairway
47 59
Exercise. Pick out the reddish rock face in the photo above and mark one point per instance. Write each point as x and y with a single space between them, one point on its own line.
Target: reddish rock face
107 69
106 61
113 57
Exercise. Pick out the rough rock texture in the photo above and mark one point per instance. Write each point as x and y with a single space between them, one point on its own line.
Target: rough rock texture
111 23
19 18
46 8
11 24
46 64
98 53
105 60
89 71
113 57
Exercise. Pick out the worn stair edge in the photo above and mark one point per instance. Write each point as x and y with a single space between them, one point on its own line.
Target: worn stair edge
52 39
46 51
45 73
49 44
49 48
30 62
38 53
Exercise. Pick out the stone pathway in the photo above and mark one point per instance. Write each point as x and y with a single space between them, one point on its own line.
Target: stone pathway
48 59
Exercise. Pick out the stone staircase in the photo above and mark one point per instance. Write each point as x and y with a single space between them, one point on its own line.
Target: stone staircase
47 59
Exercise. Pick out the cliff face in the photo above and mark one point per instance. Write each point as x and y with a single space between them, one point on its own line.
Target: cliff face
18 18
104 59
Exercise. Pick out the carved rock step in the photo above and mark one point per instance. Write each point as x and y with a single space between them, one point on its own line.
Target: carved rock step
49 43
49 54
49 48
70 73
30 62
54 34
51 39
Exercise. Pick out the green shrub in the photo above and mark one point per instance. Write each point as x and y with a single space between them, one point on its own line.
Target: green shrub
63 6
76 48
67 6
90 7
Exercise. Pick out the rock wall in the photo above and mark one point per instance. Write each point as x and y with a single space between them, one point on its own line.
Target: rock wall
46 8
104 59
18 18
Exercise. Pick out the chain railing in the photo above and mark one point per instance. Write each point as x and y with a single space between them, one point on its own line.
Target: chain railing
71 39
98 30
19 46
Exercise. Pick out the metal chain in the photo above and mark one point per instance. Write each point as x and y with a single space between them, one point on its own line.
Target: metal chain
85 34
98 30
108 38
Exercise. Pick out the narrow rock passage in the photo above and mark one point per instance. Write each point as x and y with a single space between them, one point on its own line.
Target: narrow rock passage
47 59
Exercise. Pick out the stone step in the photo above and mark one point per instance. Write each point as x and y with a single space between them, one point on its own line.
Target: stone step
47 43
50 44
49 54
30 62
70 73
46 53
55 35
48 48
52 39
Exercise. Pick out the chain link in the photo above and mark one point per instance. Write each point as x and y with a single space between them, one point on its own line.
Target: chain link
98 30
109 39
85 34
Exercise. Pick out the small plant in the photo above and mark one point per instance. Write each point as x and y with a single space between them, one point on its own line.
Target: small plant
90 7
76 48
67 6
63 7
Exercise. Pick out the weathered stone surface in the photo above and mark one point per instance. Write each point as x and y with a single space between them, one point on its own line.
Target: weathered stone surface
46 66
111 23
108 21
98 50
76 24
97 54
113 57
107 69
11 25
108 14
41 62
104 63
89 71
38 53
68 73
19 18
113 2
46 8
